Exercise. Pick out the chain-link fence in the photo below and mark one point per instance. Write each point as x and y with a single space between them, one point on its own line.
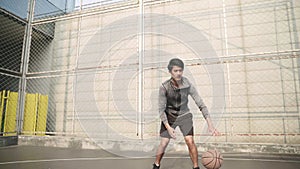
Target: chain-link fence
94 69
12 34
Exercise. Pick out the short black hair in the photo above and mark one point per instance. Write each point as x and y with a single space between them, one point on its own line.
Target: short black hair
175 62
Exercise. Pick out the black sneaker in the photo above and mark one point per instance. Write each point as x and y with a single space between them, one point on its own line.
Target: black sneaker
197 168
155 166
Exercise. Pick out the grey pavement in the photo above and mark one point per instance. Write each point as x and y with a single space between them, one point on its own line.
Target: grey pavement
35 157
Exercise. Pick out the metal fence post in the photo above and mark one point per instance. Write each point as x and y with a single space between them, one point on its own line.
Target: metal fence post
24 65
141 71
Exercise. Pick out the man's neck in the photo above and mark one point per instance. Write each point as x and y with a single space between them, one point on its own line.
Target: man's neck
177 83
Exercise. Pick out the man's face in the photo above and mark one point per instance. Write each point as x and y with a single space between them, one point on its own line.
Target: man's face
176 72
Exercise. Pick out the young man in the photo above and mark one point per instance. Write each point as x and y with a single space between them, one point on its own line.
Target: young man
174 111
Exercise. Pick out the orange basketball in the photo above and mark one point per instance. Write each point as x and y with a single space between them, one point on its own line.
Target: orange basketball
212 159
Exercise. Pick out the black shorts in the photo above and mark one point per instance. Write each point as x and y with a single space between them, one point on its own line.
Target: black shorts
184 122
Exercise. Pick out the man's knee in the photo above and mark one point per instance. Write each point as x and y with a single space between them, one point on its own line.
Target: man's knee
190 141
164 142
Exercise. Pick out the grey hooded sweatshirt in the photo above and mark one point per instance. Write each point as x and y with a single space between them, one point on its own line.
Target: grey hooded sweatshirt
173 101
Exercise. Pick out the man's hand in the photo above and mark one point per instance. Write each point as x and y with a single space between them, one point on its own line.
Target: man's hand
171 131
211 127
214 131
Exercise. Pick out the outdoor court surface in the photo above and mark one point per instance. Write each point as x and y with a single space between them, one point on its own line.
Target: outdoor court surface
34 157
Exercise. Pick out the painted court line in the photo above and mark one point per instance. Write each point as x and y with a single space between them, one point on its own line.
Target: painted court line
120 158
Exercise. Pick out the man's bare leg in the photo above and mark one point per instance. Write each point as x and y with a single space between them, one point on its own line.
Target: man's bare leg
161 150
189 140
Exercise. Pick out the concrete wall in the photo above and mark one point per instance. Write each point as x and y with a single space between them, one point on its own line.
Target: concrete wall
261 97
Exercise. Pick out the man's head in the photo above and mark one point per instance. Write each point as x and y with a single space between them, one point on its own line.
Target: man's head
175 68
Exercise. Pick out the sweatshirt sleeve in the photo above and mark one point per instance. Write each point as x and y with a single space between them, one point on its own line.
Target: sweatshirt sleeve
162 101
198 100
